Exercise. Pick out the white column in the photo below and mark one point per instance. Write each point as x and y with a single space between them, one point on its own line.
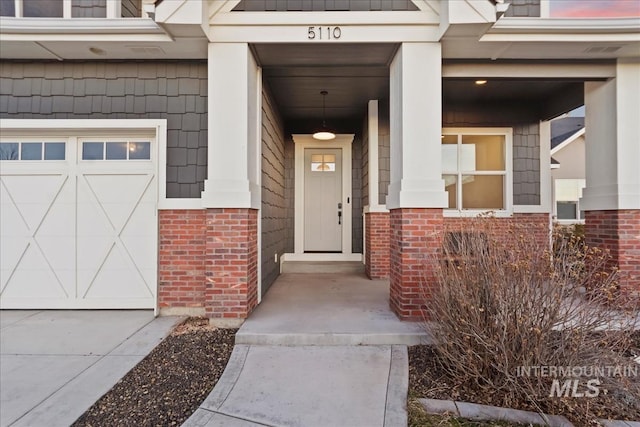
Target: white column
234 89
373 160
416 128
613 141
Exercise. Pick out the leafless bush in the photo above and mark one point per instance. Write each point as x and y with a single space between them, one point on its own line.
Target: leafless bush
508 309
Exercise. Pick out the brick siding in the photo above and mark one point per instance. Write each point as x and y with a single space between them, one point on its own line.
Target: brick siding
416 235
377 244
208 260
537 226
181 269
232 263
618 231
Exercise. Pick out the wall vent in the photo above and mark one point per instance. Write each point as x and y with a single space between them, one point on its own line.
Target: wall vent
146 50
602 49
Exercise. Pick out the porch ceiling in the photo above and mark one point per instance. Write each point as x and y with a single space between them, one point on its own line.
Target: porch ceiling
354 74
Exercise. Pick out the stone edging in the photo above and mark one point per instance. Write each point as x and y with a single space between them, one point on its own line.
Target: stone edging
474 411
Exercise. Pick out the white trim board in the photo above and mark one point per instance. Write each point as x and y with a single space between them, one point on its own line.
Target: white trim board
342 141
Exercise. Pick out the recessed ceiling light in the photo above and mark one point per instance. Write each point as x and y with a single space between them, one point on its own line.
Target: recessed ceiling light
481 82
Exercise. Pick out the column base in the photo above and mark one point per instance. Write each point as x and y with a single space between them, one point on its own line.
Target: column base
618 232
377 245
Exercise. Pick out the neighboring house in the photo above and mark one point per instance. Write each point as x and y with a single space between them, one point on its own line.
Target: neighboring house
568 168
158 154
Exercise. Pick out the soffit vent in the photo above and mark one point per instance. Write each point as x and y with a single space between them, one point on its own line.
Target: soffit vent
602 49
146 50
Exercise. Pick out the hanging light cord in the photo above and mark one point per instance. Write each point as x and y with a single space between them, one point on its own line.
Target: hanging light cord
324 99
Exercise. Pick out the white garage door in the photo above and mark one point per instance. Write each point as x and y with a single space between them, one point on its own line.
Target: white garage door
78 222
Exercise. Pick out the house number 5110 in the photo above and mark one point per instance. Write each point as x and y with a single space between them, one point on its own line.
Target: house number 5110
324 33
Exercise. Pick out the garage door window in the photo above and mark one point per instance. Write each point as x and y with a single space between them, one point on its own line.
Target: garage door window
116 150
32 150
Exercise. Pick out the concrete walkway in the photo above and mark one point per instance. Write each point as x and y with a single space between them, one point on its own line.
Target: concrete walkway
320 350
55 364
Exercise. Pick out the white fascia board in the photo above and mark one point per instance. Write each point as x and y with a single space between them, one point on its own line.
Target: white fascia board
325 18
470 11
520 70
567 30
568 141
81 29
298 33
182 12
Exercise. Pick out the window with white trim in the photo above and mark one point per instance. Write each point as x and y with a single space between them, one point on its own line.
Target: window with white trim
476 168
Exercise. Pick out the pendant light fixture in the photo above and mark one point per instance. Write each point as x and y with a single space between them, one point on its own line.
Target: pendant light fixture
324 134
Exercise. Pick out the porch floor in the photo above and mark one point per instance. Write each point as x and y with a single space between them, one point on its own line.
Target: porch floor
328 309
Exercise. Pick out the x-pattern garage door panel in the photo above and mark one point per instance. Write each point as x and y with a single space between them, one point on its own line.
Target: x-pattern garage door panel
78 234
113 236
37 236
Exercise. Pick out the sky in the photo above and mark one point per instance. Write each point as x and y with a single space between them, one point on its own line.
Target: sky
594 8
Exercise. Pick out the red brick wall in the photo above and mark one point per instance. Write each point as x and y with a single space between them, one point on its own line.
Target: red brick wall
181 270
618 231
208 259
232 263
536 225
416 235
377 245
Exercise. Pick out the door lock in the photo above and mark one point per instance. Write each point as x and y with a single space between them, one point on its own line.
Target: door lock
339 213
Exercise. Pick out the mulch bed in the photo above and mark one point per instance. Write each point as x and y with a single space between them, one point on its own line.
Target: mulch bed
168 385
428 379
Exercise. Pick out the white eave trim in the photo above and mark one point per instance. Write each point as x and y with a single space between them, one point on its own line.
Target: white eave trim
550 29
66 28
590 25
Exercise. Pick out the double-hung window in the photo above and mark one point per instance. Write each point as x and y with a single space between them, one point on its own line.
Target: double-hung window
476 169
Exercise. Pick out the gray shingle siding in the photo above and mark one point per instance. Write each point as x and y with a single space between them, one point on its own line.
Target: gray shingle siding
324 5
384 152
289 193
131 8
274 209
110 90
89 8
523 8
365 163
356 194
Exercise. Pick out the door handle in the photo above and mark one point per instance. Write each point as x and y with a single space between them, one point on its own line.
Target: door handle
339 213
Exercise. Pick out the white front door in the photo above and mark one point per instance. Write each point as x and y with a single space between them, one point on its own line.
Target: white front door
323 204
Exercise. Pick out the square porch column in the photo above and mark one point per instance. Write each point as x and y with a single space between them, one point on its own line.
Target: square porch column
611 198
416 192
231 191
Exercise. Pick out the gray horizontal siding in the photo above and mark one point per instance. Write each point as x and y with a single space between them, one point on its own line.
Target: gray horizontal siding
109 90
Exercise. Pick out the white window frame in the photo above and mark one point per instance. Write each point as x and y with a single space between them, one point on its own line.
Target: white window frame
578 220
507 173
113 9
21 139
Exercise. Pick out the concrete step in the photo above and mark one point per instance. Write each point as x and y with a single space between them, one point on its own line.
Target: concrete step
316 267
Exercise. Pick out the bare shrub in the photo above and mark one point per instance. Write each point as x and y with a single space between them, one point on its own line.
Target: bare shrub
504 305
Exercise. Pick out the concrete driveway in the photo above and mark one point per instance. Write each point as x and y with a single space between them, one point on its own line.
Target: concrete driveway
56 364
